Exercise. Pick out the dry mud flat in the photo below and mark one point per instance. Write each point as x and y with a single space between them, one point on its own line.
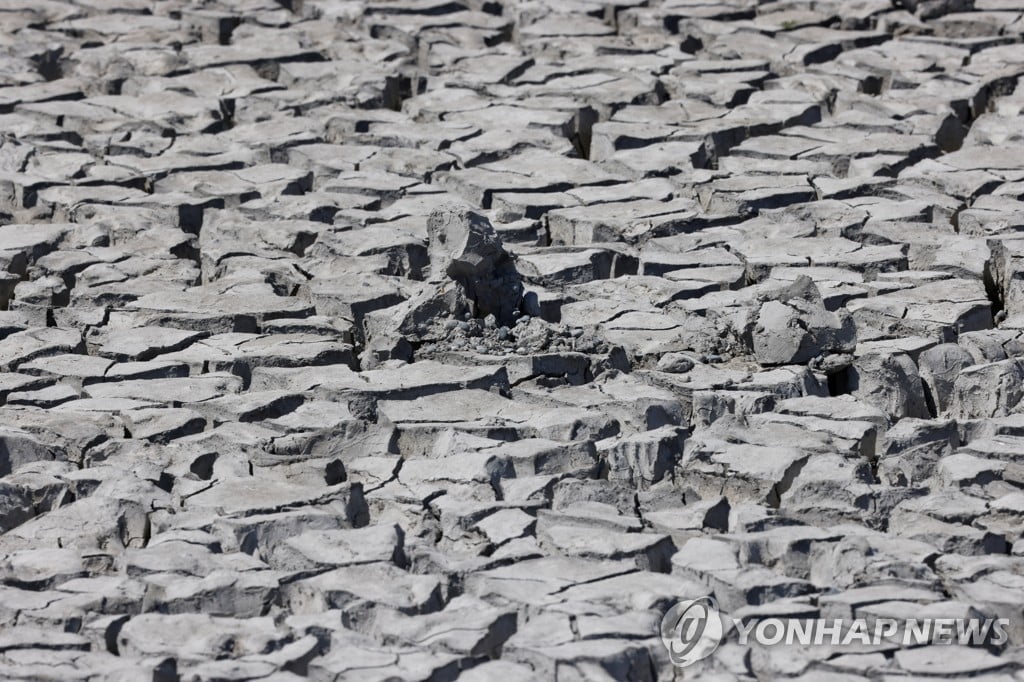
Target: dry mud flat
425 339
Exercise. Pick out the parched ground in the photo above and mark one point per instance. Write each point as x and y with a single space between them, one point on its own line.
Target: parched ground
434 340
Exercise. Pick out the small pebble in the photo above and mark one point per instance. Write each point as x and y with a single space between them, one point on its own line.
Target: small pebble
675 363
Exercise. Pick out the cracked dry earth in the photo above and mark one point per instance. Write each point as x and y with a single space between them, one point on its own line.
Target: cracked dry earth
433 340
